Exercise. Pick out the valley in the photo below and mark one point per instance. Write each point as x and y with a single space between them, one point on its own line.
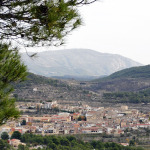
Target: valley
110 109
111 89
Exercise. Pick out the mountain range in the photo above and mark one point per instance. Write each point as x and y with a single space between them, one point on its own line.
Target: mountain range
76 63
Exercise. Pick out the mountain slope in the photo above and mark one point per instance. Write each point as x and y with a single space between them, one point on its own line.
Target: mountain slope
131 79
38 88
117 90
76 62
134 72
130 85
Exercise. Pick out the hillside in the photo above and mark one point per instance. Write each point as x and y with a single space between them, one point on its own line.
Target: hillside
142 72
77 63
38 88
128 85
131 79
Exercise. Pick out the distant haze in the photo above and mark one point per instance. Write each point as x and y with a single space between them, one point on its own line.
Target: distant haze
76 62
114 26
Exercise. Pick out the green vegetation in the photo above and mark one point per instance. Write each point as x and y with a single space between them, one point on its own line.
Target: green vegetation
130 85
23 122
16 135
4 145
39 22
134 72
69 143
5 136
128 97
11 70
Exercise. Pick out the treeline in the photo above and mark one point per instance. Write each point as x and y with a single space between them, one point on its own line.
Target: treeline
65 143
128 97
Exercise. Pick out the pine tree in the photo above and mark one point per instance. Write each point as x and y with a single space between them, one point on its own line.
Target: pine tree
39 22
11 71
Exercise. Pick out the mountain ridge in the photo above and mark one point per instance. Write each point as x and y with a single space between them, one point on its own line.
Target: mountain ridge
77 62
133 72
131 79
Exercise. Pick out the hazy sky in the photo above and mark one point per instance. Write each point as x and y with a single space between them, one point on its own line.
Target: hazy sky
115 26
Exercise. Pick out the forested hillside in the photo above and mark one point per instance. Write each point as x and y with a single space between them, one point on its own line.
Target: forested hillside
128 85
133 72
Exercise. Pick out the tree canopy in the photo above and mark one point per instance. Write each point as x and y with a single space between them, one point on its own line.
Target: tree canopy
4 136
11 70
39 22
16 135
52 142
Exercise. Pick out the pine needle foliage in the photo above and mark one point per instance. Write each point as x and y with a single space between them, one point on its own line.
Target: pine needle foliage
39 22
11 70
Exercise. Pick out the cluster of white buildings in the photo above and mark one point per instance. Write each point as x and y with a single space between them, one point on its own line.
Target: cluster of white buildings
92 120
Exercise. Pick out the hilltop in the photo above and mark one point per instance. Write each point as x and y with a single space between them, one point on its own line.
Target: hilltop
133 72
76 63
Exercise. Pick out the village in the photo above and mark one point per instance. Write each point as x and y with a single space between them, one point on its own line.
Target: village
76 120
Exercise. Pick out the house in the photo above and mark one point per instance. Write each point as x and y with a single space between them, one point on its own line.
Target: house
24 117
125 144
48 105
17 129
143 125
50 130
123 124
91 130
124 107
5 129
75 116
15 142
117 132
57 118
